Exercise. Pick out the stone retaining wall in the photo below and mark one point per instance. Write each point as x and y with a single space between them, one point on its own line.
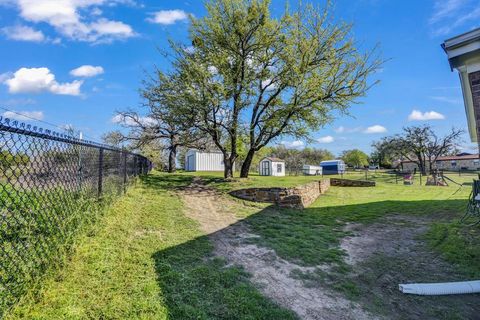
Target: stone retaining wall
297 197
351 183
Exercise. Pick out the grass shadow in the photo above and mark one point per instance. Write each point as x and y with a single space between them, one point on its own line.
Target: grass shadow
198 285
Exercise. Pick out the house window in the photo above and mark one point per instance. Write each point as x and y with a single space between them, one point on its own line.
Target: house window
279 168
476 162
453 163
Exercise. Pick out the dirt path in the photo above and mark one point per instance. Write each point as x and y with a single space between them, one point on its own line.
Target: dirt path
207 207
270 274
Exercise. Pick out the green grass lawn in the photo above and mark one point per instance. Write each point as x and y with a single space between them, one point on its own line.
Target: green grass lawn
146 260
216 180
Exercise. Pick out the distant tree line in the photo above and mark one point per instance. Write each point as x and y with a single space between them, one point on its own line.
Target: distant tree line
9 159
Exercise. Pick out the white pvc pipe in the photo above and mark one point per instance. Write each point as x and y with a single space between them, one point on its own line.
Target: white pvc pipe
434 289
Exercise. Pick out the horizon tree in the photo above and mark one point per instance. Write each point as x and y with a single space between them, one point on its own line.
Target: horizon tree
161 124
421 145
382 153
250 74
355 158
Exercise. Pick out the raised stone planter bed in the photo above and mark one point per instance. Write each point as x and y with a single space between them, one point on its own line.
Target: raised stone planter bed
296 197
351 183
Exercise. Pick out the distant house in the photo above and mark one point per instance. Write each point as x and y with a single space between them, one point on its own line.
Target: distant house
453 163
270 166
332 167
196 160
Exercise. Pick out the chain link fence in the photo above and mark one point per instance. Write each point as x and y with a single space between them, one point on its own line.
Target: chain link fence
50 186
455 178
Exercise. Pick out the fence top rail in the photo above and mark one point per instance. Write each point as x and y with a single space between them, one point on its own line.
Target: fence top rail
15 126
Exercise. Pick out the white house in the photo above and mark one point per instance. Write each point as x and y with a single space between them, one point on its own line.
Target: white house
196 160
309 170
272 167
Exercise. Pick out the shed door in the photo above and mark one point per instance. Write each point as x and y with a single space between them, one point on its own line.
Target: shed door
190 162
266 168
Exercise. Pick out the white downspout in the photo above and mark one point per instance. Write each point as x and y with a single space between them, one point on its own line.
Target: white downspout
446 288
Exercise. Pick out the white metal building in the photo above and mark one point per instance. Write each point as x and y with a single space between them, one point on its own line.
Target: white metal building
309 170
196 160
272 167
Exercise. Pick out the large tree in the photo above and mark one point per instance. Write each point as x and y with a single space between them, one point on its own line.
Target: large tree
161 125
422 146
383 153
355 158
249 74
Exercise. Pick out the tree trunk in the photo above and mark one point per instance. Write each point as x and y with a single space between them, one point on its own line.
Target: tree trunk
247 163
172 157
228 171
421 168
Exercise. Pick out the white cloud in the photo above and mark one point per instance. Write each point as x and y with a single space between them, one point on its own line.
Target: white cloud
269 85
189 49
343 129
36 80
5 76
445 8
326 139
375 129
128 121
18 102
168 17
87 71
111 29
76 19
448 15
23 33
425 116
447 99
24 115
293 144
212 70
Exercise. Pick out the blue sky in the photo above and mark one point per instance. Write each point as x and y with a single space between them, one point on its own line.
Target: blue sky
75 62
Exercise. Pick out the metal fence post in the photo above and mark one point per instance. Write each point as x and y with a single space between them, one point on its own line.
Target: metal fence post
100 172
135 166
124 172
80 169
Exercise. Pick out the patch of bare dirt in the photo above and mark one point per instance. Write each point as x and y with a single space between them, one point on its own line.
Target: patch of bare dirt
272 275
395 235
207 207
392 251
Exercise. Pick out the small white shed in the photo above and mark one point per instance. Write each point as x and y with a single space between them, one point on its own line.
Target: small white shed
270 166
309 170
196 160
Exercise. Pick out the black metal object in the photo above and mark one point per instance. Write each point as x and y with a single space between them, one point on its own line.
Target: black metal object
50 184
472 214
